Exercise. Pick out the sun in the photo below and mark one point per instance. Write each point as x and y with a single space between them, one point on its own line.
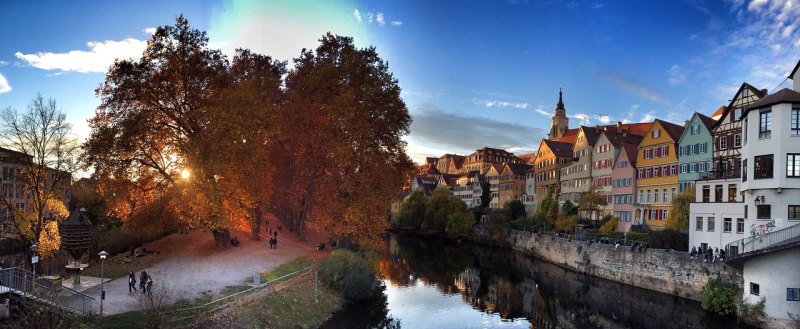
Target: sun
185 174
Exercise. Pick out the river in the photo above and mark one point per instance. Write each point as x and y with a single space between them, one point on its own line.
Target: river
434 283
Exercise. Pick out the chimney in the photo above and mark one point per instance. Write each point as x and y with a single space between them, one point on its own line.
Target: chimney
765 91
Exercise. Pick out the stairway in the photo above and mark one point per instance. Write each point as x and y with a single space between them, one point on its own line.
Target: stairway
24 284
739 251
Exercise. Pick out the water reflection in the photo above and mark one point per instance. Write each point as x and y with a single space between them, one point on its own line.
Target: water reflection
432 283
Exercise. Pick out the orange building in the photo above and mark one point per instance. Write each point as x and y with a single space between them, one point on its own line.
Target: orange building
512 182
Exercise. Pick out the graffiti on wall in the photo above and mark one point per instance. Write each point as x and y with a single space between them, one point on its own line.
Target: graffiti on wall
761 229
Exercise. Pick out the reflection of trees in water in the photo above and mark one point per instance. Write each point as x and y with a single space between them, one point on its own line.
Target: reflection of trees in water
368 314
513 285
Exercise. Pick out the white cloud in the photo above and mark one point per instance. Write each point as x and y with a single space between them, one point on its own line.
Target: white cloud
3 63
370 16
540 109
357 14
150 30
379 19
497 103
648 117
604 119
98 59
4 86
676 75
397 23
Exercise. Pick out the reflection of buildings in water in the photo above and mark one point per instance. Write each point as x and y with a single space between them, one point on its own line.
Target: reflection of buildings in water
394 247
526 288
468 281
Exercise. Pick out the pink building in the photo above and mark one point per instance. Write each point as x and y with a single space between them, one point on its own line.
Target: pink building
623 186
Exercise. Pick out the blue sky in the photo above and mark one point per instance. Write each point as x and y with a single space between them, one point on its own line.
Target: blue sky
473 73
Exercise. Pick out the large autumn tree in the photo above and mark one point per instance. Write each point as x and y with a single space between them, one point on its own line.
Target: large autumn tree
40 143
342 156
175 127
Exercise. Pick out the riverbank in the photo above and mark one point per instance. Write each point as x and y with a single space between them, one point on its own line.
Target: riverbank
669 272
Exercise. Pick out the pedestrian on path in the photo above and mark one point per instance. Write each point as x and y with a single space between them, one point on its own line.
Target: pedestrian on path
131 282
149 285
143 281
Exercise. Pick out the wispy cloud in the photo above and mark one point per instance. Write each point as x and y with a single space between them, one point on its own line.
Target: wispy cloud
396 23
462 133
632 86
540 109
3 63
100 56
378 18
489 103
357 15
4 86
676 75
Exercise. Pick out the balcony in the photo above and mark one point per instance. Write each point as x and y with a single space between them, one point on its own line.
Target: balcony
737 252
735 173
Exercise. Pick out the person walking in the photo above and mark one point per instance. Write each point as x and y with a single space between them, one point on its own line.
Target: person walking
131 282
149 285
143 281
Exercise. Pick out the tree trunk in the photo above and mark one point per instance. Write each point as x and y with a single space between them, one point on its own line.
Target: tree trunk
221 238
255 224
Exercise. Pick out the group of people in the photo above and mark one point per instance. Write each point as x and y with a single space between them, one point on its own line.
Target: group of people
145 282
709 255
235 241
273 236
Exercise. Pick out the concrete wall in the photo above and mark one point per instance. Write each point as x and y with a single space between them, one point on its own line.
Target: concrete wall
667 272
774 273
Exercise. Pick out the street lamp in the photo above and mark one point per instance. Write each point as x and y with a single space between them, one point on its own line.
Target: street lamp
34 258
102 255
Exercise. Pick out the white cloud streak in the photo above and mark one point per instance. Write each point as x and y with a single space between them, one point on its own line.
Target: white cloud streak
500 104
3 63
676 75
357 15
97 60
379 19
396 23
4 86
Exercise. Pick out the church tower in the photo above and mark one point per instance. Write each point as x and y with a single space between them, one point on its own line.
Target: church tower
560 122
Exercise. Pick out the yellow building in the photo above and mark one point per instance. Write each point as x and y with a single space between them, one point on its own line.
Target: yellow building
657 182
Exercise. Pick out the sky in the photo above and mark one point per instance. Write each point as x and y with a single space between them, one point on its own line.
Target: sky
472 73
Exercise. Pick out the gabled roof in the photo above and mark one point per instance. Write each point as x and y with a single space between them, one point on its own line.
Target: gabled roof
796 67
591 133
618 139
569 136
527 157
517 168
674 131
560 149
631 151
784 95
708 122
755 91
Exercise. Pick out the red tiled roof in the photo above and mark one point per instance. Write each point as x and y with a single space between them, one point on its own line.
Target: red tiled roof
674 131
718 113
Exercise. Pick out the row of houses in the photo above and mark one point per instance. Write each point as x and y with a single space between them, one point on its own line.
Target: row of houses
743 162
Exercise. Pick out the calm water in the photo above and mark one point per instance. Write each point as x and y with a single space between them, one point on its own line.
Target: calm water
431 283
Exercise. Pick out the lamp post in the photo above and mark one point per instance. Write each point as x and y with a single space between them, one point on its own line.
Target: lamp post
34 258
102 255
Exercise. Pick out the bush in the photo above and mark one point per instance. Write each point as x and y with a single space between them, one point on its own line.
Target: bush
460 223
566 224
719 297
348 273
609 225
675 240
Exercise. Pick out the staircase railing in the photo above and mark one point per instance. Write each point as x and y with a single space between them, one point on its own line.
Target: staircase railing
750 244
18 281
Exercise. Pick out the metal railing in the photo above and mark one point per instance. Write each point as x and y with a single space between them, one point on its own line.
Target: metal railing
25 284
742 247
209 307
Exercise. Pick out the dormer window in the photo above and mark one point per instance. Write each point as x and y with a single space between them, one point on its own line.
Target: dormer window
695 129
657 133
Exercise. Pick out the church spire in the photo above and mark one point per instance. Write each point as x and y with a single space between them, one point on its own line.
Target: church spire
560 104
559 123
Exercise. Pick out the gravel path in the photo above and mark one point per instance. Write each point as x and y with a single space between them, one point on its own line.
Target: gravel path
193 266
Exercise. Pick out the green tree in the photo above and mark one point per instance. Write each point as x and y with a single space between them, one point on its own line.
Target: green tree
566 224
514 210
609 225
460 221
438 209
679 216
591 202
547 213
412 211
569 208
719 297
486 195
498 226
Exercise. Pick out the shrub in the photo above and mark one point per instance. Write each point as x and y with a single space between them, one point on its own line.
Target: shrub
674 239
348 273
609 225
460 223
566 223
719 297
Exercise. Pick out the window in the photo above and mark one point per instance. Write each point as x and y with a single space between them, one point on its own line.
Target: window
793 165
793 294
755 290
711 224
695 129
745 211
673 170
655 196
727 225
744 170
641 195
717 193
723 142
763 211
664 195
731 192
795 125
794 212
703 148
706 193
656 133
672 192
740 225
737 141
765 124
763 166
663 213
698 224
648 196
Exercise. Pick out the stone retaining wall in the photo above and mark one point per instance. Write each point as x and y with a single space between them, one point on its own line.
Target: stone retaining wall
655 269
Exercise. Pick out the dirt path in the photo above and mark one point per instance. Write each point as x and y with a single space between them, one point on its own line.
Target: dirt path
193 266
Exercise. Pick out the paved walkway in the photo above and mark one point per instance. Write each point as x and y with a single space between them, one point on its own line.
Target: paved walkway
194 266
